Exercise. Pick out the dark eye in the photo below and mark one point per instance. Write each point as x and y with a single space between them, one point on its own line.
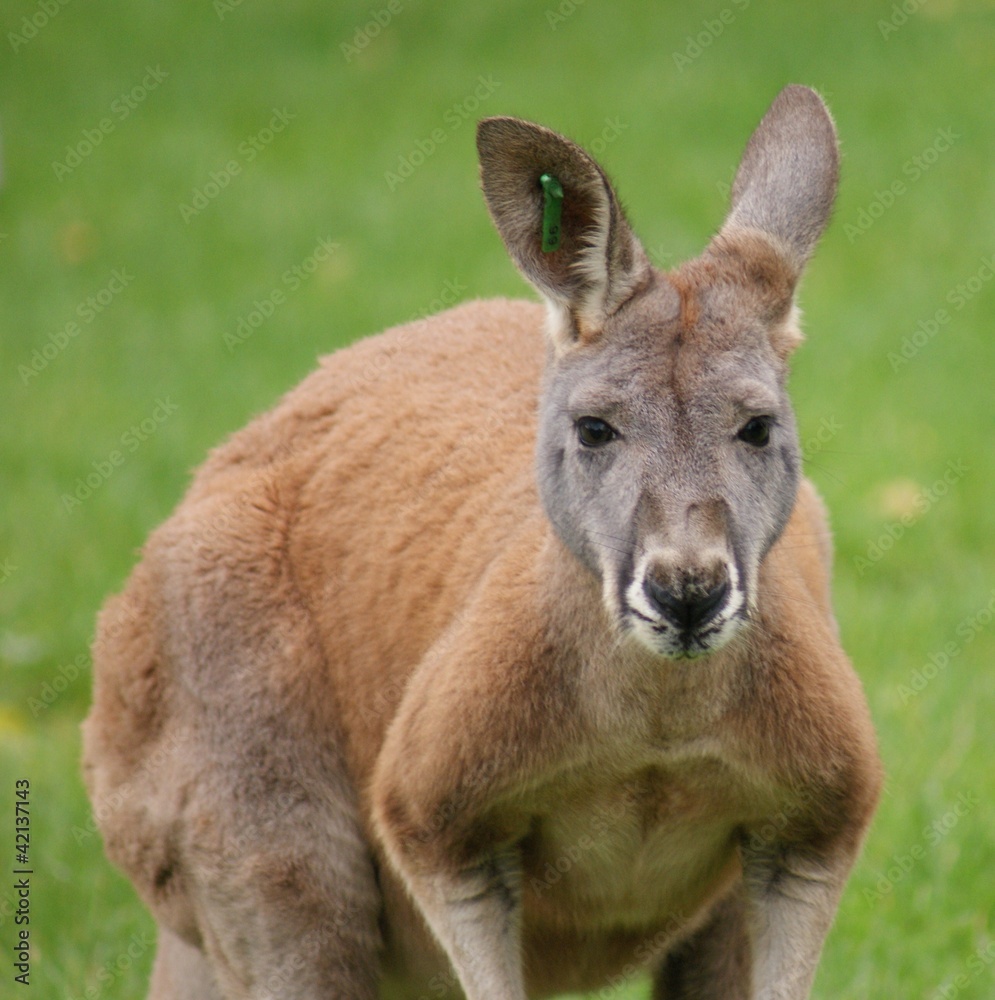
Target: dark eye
756 431
594 432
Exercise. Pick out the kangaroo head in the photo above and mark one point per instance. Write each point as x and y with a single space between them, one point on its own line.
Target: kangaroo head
667 453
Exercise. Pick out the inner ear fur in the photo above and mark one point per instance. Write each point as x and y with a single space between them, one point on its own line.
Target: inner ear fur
599 263
755 264
786 183
781 201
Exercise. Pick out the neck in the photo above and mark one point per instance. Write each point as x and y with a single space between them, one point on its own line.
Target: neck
627 687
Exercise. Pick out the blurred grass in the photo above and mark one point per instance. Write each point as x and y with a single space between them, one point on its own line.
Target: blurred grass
225 70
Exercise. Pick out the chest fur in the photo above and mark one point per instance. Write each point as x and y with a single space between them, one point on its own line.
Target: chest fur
637 849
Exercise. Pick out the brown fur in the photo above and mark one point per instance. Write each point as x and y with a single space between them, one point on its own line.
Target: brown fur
358 659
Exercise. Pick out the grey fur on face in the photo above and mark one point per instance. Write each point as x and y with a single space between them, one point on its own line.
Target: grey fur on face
679 376
676 495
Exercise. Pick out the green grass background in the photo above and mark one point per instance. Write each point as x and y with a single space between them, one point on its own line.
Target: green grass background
679 129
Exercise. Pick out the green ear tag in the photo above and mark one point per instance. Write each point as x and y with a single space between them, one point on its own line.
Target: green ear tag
552 209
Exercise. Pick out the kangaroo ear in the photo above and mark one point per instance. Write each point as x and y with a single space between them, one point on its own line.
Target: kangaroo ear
598 263
786 183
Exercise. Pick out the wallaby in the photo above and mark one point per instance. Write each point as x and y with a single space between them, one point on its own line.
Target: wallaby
497 660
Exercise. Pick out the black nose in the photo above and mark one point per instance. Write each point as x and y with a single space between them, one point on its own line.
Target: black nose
689 608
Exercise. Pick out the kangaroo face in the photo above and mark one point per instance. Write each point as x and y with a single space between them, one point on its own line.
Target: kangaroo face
667 453
668 461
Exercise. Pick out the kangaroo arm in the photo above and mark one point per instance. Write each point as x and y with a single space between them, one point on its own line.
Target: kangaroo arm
795 865
474 912
479 711
793 900
433 815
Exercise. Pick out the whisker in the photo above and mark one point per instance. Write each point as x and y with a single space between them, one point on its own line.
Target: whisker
783 596
606 534
830 475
